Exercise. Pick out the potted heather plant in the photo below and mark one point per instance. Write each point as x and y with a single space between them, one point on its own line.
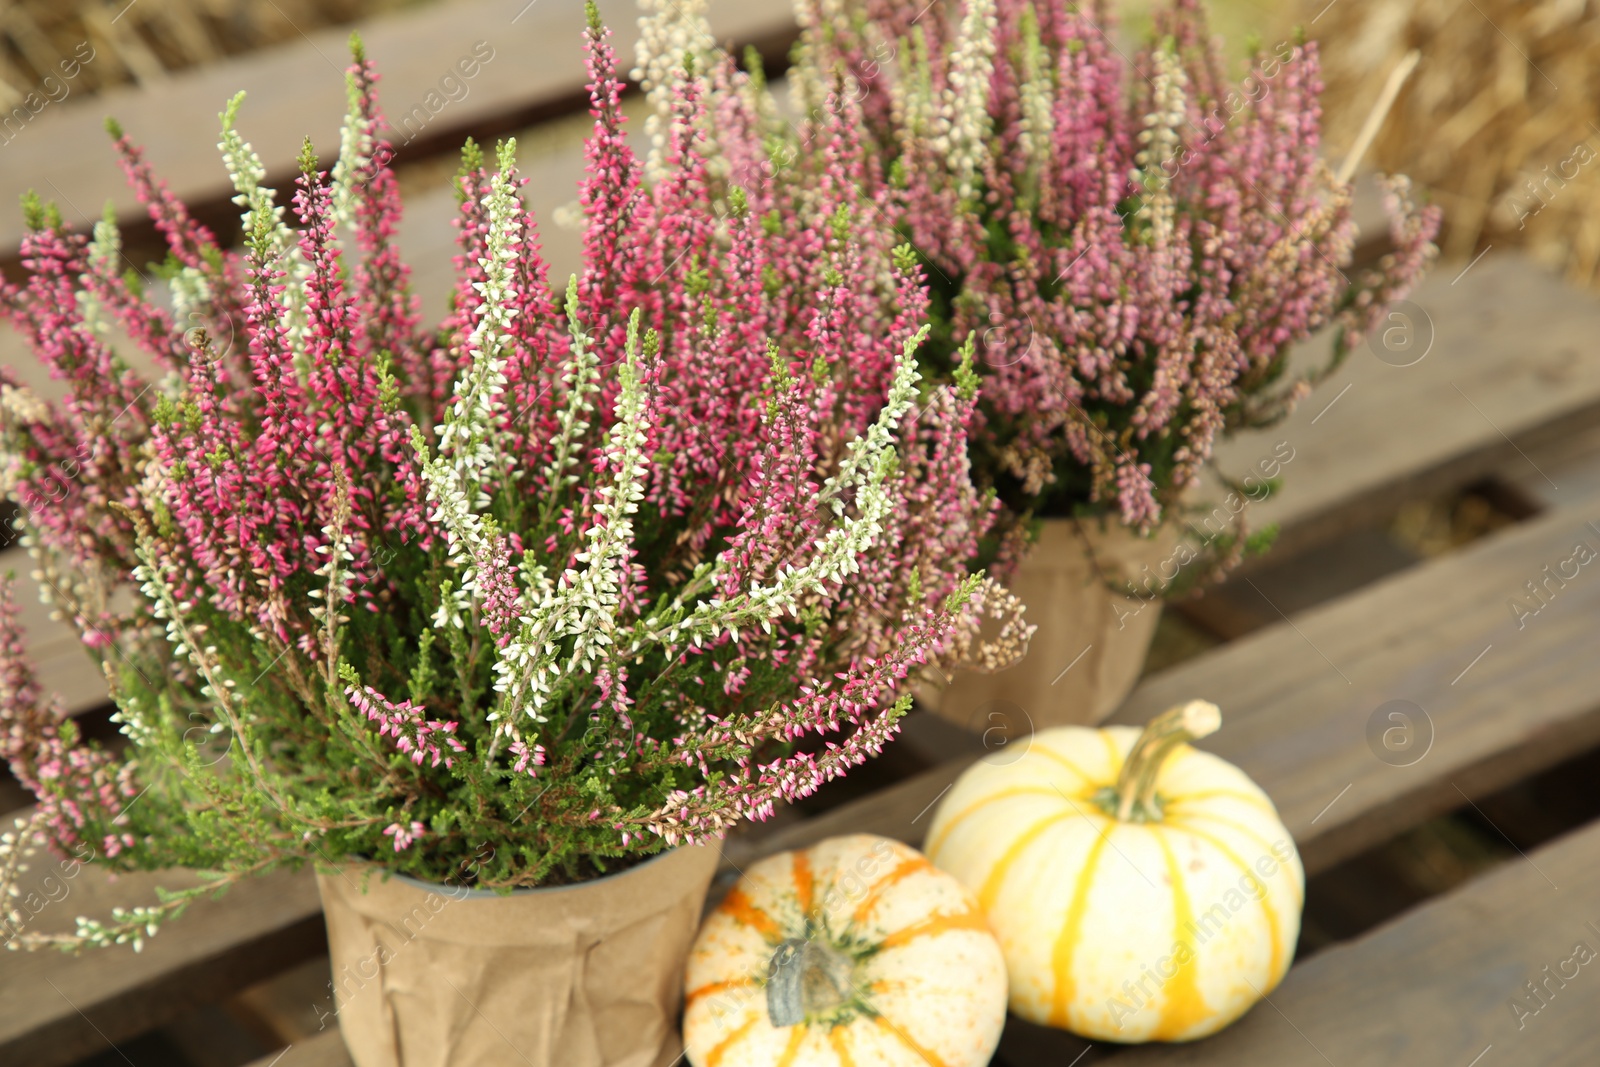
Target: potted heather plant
1128 250
496 624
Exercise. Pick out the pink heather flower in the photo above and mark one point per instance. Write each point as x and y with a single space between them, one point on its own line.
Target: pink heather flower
408 725
403 835
82 791
528 757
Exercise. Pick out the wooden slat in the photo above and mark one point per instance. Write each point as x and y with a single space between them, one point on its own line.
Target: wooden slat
1436 987
61 663
1512 367
1564 470
297 90
324 1050
1296 698
56 1008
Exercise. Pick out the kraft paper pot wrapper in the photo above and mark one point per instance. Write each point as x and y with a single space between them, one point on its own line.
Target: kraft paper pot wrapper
589 975
1091 640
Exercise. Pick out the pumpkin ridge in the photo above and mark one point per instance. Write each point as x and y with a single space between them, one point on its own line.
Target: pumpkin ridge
1266 904
1066 941
1118 757
716 987
804 883
991 884
743 910
797 1037
1050 753
1183 1006
841 1049
1004 794
927 1055
906 867
720 1050
1182 819
942 923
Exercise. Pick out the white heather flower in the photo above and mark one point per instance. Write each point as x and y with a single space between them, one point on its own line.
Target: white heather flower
583 604
469 436
1037 92
105 248
1160 142
669 30
966 106
355 152
580 377
261 209
597 588
23 404
868 463
191 295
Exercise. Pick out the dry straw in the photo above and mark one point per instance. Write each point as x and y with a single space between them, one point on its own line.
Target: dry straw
140 43
1500 122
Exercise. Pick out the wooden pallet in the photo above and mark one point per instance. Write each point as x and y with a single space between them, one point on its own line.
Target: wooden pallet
1510 381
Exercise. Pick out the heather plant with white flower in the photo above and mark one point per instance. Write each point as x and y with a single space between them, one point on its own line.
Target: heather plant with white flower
1131 245
565 581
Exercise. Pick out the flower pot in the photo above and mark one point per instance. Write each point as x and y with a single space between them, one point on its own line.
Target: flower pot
588 975
1091 640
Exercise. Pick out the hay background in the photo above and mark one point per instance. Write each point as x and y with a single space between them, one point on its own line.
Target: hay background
1507 92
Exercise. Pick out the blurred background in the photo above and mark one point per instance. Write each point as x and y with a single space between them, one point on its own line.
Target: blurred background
1481 126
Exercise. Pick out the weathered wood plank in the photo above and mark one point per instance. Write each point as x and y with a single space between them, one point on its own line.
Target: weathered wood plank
528 64
1442 985
55 1008
1511 368
1297 698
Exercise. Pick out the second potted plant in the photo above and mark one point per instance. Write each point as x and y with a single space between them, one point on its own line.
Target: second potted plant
1128 257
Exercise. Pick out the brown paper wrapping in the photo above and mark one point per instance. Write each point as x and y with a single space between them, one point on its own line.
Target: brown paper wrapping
589 975
1095 635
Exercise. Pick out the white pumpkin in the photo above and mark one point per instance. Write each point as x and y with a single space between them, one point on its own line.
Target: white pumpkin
1141 889
855 952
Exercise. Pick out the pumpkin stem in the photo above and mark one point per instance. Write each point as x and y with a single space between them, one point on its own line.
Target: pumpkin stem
806 978
1136 785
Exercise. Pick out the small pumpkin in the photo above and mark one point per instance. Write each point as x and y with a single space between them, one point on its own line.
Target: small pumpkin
1141 889
856 951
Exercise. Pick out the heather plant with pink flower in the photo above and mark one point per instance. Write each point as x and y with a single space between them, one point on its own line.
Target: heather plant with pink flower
1130 245
563 581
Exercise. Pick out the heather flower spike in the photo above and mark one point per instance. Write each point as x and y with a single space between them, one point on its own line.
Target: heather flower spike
582 573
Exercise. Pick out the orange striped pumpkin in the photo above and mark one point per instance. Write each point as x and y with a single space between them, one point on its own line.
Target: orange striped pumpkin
1142 890
854 953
